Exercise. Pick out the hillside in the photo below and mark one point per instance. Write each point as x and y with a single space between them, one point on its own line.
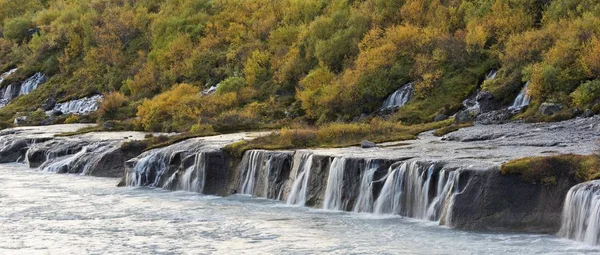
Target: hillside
295 63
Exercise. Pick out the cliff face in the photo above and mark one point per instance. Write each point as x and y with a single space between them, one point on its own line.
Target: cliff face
454 180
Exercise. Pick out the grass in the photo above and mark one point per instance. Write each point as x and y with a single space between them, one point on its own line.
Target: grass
449 129
335 135
549 169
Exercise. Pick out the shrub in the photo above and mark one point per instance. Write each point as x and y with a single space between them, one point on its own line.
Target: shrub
231 84
586 94
16 29
72 119
112 103
172 110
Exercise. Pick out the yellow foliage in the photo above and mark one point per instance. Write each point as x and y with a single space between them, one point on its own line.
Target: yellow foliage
171 110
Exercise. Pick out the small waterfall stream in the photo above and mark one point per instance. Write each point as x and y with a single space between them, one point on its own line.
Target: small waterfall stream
581 213
335 183
522 100
14 90
7 74
299 192
364 202
80 106
400 97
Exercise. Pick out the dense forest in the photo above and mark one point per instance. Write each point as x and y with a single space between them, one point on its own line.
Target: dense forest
279 63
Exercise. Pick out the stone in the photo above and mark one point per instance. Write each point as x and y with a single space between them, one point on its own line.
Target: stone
47 122
108 125
587 113
367 144
49 104
494 117
463 117
22 120
550 108
487 102
56 113
576 111
440 117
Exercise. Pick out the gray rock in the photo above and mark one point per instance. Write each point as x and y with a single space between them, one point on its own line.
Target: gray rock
550 108
441 117
22 120
108 125
587 113
367 144
56 113
576 111
463 117
47 122
487 102
49 104
494 117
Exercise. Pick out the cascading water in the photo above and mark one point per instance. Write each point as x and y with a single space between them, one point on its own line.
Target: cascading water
32 83
193 179
7 74
581 213
299 192
84 105
335 183
254 163
15 90
364 202
264 173
63 164
408 191
522 99
400 97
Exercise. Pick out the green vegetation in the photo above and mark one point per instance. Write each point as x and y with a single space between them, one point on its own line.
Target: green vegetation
335 135
547 170
449 129
312 63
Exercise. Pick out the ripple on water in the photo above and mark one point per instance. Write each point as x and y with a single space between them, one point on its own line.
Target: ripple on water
65 214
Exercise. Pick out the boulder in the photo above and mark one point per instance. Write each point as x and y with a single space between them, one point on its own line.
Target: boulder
49 104
494 117
367 144
22 120
463 117
47 121
487 102
108 125
440 117
550 108
56 113
587 113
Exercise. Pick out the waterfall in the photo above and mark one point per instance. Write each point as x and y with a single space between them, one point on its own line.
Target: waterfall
335 184
5 75
193 178
15 90
400 97
444 188
299 193
63 164
32 83
84 105
581 213
522 99
149 169
254 163
364 202
408 191
492 74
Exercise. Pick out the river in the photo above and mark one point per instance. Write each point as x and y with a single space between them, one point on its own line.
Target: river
44 213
